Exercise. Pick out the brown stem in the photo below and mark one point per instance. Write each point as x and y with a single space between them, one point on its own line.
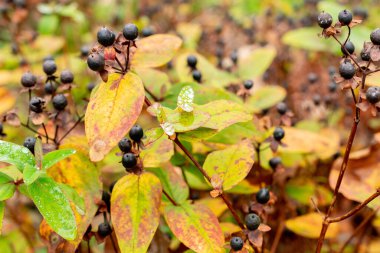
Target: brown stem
170 198
71 129
355 209
277 237
47 136
358 229
151 94
115 248
30 97
349 55
34 131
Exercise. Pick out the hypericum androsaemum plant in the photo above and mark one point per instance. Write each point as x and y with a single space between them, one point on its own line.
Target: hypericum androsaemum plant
353 72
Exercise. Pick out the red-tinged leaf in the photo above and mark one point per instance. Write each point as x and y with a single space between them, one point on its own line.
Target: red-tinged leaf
135 204
155 51
112 111
195 226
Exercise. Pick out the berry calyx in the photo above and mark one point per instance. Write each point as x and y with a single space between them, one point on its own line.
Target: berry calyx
350 48
278 133
49 67
67 76
136 133
197 75
130 31
129 161
192 61
59 102
345 17
274 162
29 143
104 229
125 145
375 36
252 221
36 104
28 80
347 70
248 84
236 243
282 108
95 61
324 20
263 196
373 94
105 37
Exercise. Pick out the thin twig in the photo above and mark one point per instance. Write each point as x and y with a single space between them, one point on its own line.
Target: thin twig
34 131
30 97
151 94
349 55
170 198
72 128
47 136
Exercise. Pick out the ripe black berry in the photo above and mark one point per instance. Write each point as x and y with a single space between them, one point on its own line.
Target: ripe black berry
20 3
373 94
49 88
105 37
317 99
49 67
324 20
28 80
234 56
104 229
129 160
95 61
197 75
36 104
364 55
136 133
125 145
281 108
312 77
48 58
347 70
67 76
274 162
84 51
375 36
147 31
278 134
263 196
332 70
248 84
361 13
130 31
345 17
59 102
252 221
350 48
192 61
236 243
333 86
29 143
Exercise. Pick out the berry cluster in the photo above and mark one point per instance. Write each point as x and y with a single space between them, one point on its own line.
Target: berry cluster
192 64
128 147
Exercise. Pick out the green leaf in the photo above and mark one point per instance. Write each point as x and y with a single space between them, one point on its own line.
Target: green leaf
185 99
54 206
231 165
74 197
235 133
244 187
48 24
265 97
195 226
12 172
55 156
197 134
156 81
135 214
7 188
172 182
2 208
255 63
15 154
31 173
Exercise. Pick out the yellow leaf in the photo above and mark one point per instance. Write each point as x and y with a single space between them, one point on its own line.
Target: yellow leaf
112 111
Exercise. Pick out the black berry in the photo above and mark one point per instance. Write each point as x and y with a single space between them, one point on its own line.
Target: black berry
361 13
274 162
263 196
125 145
278 134
104 229
36 104
248 84
59 102
95 61
28 80
375 36
129 161
192 61
234 56
282 108
67 76
49 88
324 20
364 55
130 31
347 70
373 94
105 37
350 48
197 75
236 243
90 86
49 67
332 70
317 99
345 17
312 77
252 221
136 133
84 51
147 31
29 143
333 86
48 58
